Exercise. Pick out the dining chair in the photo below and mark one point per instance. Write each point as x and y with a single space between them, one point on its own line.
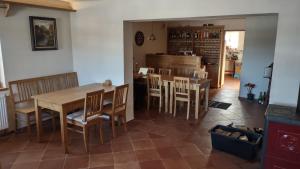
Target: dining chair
89 116
185 72
118 107
200 74
21 92
151 70
164 71
182 93
154 89
203 68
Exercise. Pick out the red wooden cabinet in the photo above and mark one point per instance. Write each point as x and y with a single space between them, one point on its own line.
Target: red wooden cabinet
283 146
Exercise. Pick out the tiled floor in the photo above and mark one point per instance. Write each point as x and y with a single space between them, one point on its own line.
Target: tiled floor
154 141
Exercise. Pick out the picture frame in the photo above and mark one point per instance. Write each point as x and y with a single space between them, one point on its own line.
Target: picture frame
43 33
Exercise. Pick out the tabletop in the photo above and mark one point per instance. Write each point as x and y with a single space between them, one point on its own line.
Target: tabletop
72 94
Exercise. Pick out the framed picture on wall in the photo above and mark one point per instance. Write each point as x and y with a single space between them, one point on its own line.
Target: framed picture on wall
43 33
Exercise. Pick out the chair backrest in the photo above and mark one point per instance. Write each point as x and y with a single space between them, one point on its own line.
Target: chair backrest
52 83
151 70
200 74
71 80
181 86
120 98
154 83
185 72
22 90
202 68
164 71
93 104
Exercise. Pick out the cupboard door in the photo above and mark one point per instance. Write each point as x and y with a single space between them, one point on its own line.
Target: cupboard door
284 142
213 74
213 69
274 163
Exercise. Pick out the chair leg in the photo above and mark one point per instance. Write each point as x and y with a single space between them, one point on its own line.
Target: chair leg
148 103
101 133
28 124
16 121
86 138
175 109
160 103
124 122
53 122
113 126
188 110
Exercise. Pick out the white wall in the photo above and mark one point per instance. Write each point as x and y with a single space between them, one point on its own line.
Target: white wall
157 46
128 68
18 58
97 35
259 52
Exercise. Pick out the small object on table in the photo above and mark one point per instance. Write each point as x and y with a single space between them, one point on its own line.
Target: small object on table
143 71
107 83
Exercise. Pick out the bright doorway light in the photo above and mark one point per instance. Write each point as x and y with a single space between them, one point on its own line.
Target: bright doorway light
2 76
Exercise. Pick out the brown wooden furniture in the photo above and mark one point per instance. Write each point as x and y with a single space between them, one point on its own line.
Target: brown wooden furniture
182 93
205 41
197 85
65 101
58 4
151 70
164 71
154 89
180 65
22 91
118 108
200 74
90 115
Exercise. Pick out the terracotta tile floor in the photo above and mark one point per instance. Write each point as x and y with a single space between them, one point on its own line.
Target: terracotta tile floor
154 141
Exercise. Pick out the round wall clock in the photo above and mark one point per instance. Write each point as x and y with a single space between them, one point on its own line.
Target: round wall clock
139 38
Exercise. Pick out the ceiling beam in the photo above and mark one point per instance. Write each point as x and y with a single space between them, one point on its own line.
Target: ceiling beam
50 4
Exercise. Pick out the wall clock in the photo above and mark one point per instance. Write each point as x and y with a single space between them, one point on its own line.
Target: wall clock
139 38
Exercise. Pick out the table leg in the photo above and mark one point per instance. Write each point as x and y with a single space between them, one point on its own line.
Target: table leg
171 98
38 120
206 98
197 102
166 96
64 131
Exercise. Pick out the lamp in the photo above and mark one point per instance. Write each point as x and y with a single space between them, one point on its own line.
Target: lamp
152 36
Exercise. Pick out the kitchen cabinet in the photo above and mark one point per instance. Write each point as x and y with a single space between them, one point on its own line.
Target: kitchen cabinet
281 148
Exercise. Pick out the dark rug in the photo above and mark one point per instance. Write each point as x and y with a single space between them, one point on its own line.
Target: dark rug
219 105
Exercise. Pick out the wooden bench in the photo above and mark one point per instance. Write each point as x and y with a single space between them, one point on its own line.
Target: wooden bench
21 92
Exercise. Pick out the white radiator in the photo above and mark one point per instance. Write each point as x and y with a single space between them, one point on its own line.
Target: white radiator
3 112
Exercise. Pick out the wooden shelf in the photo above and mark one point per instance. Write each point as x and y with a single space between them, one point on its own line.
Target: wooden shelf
207 42
49 4
196 37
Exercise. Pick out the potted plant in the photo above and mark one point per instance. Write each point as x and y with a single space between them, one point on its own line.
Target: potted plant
250 86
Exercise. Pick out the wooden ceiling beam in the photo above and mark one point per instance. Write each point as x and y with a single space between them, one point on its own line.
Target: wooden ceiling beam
50 4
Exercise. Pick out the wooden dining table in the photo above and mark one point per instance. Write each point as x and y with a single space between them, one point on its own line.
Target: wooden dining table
197 85
64 102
